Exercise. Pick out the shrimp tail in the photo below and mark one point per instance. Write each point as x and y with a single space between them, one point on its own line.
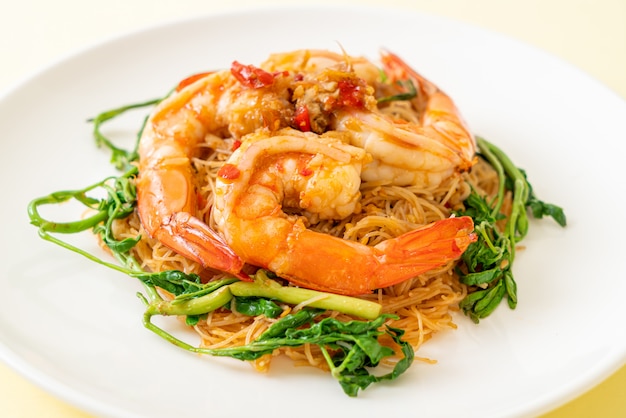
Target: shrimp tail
396 68
423 249
335 265
194 240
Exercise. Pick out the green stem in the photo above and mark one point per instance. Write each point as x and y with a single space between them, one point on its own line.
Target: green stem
166 335
121 158
192 306
62 227
482 230
264 287
47 237
486 149
517 225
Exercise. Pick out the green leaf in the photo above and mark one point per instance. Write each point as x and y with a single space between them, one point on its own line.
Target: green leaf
481 277
290 322
467 304
192 320
254 306
174 281
540 209
356 376
490 301
511 289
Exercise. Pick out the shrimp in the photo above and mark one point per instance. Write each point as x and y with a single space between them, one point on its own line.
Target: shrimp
320 174
206 106
409 153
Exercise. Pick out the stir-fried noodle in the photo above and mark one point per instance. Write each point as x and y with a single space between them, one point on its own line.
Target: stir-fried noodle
423 304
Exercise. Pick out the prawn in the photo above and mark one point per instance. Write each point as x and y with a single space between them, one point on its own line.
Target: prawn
422 153
291 168
203 106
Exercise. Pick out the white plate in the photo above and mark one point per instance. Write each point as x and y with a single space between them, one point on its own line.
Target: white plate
75 328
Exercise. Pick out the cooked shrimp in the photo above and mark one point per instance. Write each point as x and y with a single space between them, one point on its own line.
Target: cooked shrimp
408 153
206 106
319 174
166 196
440 116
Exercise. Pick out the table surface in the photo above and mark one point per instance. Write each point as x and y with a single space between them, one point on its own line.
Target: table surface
591 35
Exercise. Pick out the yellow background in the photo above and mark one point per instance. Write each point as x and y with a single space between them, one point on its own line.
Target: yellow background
590 34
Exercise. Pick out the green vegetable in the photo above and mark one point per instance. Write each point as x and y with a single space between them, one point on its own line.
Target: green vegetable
195 298
354 344
264 287
411 92
118 204
120 157
254 306
489 260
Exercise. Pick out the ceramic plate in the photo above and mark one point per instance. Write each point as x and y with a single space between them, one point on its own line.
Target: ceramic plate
75 328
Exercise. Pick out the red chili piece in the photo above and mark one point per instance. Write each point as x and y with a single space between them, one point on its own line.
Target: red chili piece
236 144
303 165
302 119
229 172
251 76
350 94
